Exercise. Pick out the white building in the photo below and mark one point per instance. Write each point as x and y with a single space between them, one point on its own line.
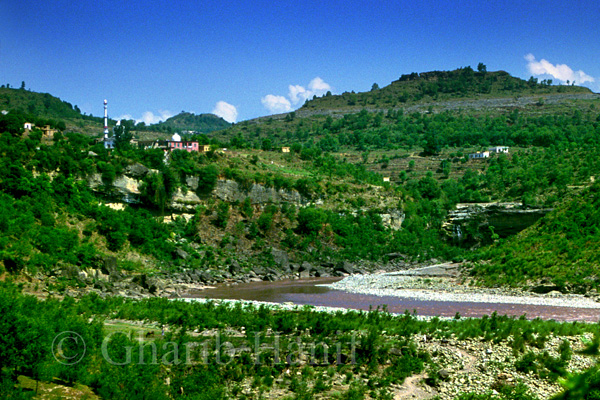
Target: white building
480 154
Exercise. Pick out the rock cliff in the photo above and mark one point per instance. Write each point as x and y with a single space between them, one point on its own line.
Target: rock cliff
125 189
472 221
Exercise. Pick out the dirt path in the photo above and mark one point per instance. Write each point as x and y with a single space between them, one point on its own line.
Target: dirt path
411 389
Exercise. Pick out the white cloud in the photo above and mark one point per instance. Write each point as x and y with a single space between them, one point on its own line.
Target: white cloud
562 72
276 104
297 95
319 86
125 116
150 118
226 111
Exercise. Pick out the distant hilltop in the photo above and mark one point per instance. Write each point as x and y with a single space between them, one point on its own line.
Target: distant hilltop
186 121
436 86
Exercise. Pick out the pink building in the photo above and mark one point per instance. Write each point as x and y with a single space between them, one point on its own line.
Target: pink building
176 145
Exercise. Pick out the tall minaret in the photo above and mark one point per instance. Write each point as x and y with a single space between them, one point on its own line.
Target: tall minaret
105 120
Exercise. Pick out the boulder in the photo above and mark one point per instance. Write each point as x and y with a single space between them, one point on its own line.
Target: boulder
146 282
127 188
320 273
443 374
110 267
306 266
235 268
192 182
206 277
394 351
137 171
281 258
345 267
181 253
304 274
184 201
543 289
328 265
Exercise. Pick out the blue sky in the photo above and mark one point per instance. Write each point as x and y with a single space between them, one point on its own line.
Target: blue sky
244 59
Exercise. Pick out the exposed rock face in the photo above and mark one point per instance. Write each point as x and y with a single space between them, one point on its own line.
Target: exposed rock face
125 188
229 190
128 188
192 182
137 171
505 218
393 219
184 201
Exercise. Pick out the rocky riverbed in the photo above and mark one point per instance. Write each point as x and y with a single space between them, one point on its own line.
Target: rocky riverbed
443 283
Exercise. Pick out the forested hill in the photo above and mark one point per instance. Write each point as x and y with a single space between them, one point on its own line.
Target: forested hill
435 86
186 121
38 104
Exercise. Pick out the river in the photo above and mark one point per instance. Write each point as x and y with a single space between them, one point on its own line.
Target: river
309 291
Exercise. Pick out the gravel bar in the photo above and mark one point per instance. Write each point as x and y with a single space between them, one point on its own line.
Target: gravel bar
450 290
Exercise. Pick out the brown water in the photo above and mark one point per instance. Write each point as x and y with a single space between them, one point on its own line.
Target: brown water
306 291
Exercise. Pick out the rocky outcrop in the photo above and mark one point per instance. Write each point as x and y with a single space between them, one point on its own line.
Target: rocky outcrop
393 219
229 190
184 201
124 188
127 188
471 221
137 171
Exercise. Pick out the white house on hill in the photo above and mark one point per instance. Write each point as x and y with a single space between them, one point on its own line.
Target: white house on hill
480 154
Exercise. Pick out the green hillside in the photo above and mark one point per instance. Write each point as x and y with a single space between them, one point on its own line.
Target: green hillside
563 249
336 162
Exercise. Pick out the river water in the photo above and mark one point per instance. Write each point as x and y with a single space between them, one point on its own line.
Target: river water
308 291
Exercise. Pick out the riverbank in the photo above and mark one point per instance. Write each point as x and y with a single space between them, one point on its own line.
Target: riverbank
442 283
